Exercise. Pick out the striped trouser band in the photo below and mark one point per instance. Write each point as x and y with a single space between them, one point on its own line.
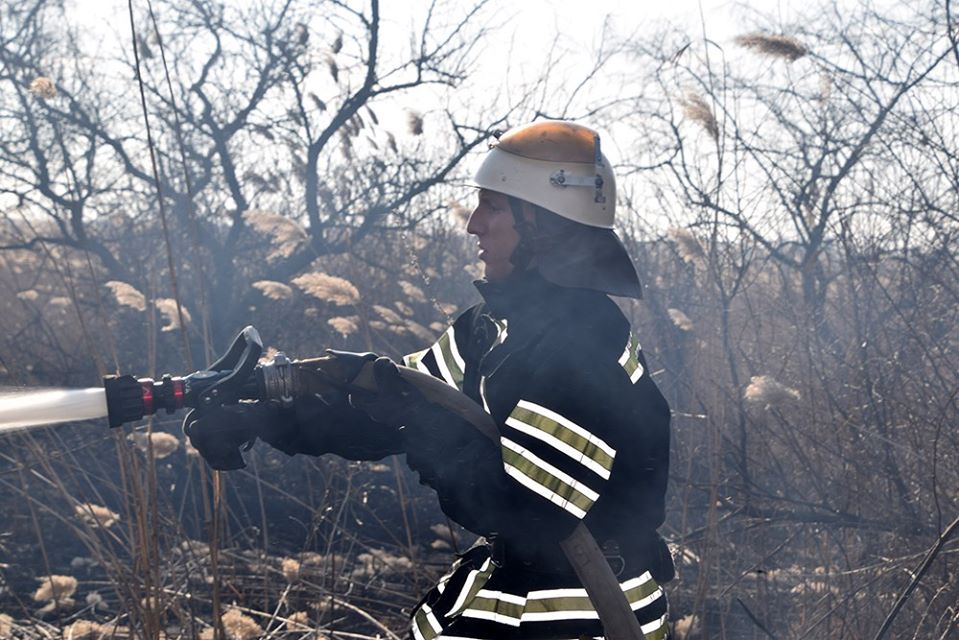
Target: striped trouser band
489 613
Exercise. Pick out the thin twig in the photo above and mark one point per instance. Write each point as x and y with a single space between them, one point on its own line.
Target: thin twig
920 572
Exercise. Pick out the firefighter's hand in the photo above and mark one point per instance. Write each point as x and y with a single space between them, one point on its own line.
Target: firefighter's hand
394 400
220 433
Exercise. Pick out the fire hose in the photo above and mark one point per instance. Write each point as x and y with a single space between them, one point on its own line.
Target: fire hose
238 376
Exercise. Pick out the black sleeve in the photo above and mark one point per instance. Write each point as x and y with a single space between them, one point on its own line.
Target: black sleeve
313 427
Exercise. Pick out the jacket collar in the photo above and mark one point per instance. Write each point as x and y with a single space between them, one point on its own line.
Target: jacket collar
521 295
530 303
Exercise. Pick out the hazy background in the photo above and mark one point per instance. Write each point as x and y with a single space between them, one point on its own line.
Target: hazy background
788 188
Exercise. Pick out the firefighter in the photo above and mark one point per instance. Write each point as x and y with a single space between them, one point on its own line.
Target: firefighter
584 432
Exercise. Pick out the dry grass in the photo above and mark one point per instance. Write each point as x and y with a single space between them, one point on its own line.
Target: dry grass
323 286
127 295
274 290
345 326
168 309
163 444
414 123
55 587
680 319
286 235
775 46
697 110
95 515
767 392
43 87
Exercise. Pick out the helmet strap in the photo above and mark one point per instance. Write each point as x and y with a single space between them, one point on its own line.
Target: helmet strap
525 250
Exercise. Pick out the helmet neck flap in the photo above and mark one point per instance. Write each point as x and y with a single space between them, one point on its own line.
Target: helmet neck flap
572 255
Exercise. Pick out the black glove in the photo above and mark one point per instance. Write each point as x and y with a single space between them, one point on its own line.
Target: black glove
220 433
312 426
394 401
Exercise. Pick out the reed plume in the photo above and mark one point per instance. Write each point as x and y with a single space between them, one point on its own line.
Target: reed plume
55 588
274 290
43 87
680 319
95 515
345 326
286 235
328 288
167 308
696 109
774 46
766 392
127 295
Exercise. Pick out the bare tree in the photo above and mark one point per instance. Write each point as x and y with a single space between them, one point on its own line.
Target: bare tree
810 174
266 119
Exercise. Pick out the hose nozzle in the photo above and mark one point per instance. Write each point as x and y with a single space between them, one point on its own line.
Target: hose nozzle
130 398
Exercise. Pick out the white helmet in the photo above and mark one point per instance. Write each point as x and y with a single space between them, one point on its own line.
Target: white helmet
560 168
556 165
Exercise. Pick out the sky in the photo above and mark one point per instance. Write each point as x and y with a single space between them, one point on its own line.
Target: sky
515 52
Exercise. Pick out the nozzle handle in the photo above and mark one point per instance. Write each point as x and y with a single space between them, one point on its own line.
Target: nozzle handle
245 342
240 360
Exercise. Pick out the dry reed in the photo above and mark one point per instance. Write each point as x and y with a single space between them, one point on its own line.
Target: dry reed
274 290
95 515
696 109
86 630
328 288
414 123
412 292
164 444
43 87
126 295
167 308
680 319
286 235
239 626
55 588
687 245
388 314
766 391
291 569
775 46
345 326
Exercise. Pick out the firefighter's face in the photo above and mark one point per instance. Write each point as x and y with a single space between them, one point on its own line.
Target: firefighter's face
492 224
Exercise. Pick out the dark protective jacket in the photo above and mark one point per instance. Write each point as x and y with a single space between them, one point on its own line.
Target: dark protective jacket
584 435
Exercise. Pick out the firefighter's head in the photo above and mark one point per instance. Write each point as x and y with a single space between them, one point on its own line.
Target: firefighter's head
546 202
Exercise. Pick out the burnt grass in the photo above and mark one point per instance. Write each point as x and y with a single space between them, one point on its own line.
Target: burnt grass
368 539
